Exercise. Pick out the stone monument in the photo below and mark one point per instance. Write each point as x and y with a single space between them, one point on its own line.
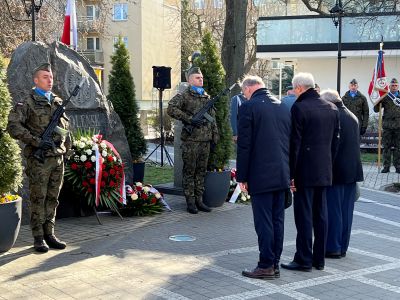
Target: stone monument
89 110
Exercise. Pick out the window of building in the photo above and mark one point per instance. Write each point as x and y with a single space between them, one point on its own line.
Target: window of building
92 12
218 3
120 11
93 43
124 39
199 4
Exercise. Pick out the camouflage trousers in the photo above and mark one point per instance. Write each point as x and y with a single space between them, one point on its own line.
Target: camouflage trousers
195 159
45 181
391 138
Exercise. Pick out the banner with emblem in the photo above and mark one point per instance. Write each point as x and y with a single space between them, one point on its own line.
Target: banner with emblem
378 86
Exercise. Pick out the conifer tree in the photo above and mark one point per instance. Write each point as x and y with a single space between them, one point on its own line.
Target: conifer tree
122 95
10 154
214 83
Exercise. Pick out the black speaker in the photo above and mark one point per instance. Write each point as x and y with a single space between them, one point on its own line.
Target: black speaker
162 77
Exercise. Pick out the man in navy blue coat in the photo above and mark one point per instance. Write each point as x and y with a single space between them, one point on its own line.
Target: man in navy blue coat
263 169
313 146
347 170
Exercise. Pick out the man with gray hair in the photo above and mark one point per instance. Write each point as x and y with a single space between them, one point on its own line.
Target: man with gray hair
313 145
347 170
263 169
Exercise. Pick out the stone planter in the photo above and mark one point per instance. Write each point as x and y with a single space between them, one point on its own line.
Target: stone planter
216 186
10 216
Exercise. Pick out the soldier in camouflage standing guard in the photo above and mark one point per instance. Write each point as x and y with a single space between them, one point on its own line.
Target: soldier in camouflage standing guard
27 121
195 145
391 126
357 103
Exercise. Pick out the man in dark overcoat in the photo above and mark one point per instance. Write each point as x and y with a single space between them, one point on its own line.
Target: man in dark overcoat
313 145
347 170
263 169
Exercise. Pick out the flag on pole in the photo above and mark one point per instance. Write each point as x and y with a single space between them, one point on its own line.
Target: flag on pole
378 85
70 33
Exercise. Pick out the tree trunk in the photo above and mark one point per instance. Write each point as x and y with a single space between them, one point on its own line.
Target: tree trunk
234 41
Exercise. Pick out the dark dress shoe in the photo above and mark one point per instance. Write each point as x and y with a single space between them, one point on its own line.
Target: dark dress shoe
191 208
294 266
260 273
319 267
385 170
40 245
54 242
202 207
343 254
335 255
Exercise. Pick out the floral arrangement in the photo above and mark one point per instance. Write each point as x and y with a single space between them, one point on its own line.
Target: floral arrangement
96 171
5 198
243 197
142 200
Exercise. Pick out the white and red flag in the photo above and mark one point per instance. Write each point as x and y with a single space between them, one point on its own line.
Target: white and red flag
378 86
70 33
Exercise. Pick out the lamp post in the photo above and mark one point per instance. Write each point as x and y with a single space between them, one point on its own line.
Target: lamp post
337 13
32 9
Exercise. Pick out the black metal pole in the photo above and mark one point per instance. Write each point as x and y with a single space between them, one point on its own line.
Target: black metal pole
33 20
161 126
339 62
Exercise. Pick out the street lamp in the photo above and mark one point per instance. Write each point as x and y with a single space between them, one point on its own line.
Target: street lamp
31 9
337 13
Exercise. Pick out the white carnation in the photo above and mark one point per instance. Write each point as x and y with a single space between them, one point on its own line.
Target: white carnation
248 197
158 195
81 145
88 151
93 158
83 158
103 145
115 159
134 196
243 198
138 184
94 147
146 189
104 153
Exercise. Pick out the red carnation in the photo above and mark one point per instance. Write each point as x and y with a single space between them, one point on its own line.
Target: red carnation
138 188
103 183
109 158
112 171
90 190
85 183
105 174
145 196
92 181
88 165
74 166
154 201
112 183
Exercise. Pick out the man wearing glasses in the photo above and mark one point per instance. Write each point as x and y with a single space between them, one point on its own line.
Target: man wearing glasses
391 127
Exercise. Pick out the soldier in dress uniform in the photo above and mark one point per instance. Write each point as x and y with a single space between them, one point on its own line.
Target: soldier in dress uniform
391 126
27 121
357 103
195 145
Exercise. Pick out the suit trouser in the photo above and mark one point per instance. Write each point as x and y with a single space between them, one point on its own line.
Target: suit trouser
269 216
340 202
391 138
310 212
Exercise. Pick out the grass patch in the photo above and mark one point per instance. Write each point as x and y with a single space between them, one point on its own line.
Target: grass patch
369 157
155 174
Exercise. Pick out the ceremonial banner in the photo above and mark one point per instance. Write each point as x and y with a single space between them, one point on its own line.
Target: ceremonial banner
70 33
378 86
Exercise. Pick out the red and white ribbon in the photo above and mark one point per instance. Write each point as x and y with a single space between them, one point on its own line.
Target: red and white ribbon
99 172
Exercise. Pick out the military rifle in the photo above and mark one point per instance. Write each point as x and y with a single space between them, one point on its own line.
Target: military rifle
202 114
47 135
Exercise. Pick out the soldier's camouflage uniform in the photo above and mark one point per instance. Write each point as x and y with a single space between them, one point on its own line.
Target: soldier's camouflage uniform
195 146
358 106
27 121
391 132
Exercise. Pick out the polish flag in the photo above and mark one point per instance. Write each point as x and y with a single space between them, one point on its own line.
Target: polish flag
70 33
378 86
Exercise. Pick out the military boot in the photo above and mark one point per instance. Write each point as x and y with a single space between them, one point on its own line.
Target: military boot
202 207
39 244
54 242
191 206
385 170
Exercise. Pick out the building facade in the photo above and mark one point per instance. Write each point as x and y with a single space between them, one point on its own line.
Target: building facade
149 29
